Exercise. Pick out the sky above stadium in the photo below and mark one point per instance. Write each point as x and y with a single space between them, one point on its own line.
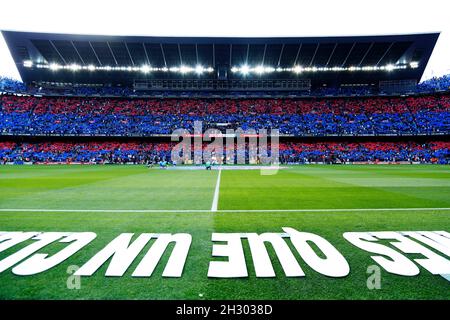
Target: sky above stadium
233 18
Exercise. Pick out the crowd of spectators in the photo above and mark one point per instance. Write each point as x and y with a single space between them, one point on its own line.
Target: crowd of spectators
98 152
435 83
415 115
298 117
117 152
11 85
334 152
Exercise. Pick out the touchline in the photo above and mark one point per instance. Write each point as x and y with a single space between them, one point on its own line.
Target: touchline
228 257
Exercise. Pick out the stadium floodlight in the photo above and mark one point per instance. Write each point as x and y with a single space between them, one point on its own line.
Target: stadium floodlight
54 66
297 69
390 67
74 67
185 69
28 63
145 69
259 69
199 69
245 69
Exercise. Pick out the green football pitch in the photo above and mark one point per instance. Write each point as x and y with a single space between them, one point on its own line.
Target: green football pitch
324 200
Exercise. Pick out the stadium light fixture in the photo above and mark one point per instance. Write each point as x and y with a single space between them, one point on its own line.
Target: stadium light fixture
245 69
54 67
75 67
185 69
145 69
297 69
28 63
199 69
259 69
390 67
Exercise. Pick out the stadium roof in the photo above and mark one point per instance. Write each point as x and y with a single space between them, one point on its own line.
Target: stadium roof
65 58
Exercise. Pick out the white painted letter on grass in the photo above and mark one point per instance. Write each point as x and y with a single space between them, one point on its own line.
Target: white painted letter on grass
261 259
391 260
10 239
39 262
122 252
235 267
43 240
432 262
175 265
432 239
334 265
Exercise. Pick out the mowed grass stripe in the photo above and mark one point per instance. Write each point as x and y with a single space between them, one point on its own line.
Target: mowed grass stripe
117 187
305 187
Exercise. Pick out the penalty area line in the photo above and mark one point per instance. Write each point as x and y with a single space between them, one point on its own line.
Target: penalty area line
221 211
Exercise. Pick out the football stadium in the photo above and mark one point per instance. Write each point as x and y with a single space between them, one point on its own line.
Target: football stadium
217 168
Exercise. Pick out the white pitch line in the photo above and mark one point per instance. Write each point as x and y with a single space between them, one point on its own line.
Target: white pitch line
103 210
215 201
223 211
337 210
